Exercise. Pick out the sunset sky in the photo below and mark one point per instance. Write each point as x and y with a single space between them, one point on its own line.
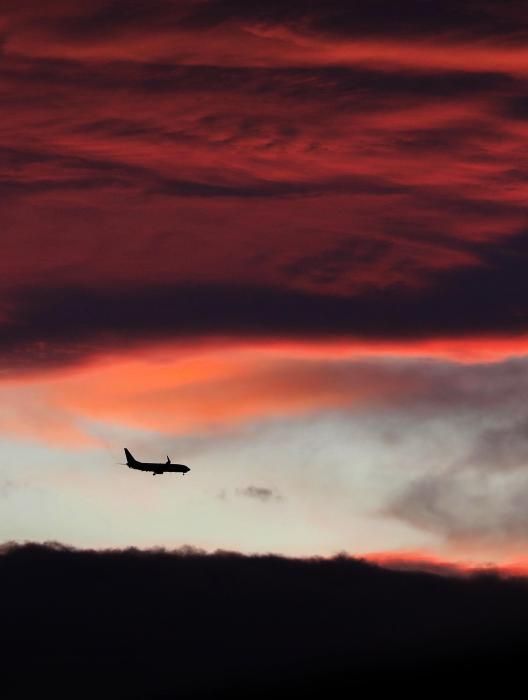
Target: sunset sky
283 242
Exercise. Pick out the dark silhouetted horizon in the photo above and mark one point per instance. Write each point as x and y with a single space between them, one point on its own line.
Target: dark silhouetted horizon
133 623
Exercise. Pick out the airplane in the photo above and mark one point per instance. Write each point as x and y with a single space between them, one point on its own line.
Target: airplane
154 467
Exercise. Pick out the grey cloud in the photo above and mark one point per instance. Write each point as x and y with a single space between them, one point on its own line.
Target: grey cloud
481 495
259 493
466 507
501 448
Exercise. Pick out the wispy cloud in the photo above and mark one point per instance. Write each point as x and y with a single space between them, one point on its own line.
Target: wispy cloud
259 493
330 169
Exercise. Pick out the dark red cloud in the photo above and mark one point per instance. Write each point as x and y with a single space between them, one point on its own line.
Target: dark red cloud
281 169
67 322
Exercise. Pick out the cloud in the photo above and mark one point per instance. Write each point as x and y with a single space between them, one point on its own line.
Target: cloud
501 448
419 37
364 18
259 493
467 508
27 413
296 176
477 500
474 496
176 395
60 324
205 392
423 561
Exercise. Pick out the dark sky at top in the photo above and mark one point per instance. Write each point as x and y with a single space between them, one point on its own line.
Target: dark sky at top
298 169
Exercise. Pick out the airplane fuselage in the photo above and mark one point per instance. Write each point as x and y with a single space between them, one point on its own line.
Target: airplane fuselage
160 468
155 467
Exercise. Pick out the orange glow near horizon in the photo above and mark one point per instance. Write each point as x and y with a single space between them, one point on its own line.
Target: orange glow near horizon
431 562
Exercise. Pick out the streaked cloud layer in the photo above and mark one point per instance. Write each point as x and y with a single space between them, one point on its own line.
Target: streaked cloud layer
220 215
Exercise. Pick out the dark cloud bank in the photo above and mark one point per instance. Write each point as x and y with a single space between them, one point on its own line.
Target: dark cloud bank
60 325
144 157
156 624
331 17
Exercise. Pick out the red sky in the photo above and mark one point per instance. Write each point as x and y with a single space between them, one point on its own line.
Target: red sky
276 198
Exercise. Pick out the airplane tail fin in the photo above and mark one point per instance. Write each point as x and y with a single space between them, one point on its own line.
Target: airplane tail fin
129 457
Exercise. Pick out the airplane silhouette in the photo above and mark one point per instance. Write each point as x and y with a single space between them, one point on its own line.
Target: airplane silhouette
155 467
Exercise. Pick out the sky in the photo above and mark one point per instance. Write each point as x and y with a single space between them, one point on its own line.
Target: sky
284 243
